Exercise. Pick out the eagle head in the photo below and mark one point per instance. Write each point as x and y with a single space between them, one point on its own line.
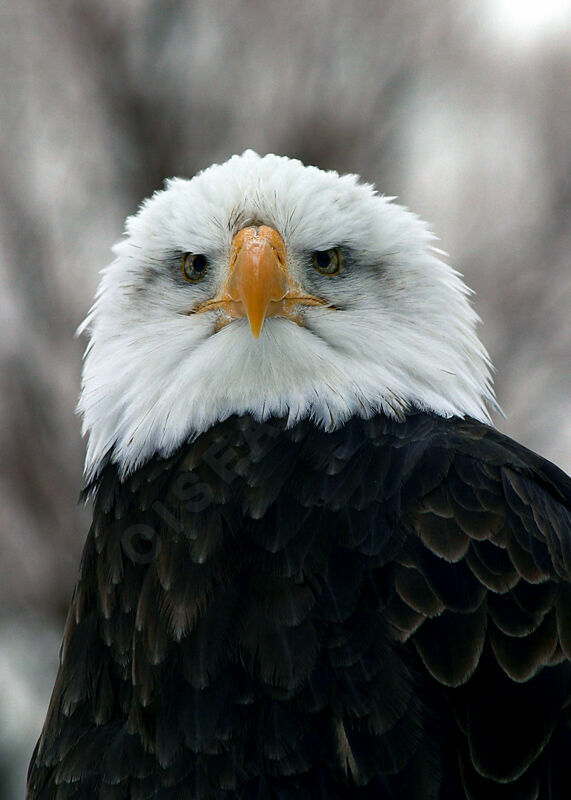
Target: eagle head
266 287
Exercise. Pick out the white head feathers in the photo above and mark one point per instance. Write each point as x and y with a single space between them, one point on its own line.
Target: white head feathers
401 334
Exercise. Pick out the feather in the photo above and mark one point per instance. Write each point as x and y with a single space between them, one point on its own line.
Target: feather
279 655
522 657
451 645
412 588
492 567
453 584
511 728
443 537
510 618
478 788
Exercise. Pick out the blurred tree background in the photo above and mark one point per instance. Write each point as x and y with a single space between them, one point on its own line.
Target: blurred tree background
458 108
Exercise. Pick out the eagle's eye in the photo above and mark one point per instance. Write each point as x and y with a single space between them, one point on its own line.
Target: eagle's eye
194 266
328 262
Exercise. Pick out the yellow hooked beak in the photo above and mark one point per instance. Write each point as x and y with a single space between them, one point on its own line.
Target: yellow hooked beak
259 284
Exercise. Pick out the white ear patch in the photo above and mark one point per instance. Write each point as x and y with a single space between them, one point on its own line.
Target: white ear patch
401 333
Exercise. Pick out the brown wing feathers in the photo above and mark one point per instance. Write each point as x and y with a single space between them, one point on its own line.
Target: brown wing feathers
501 571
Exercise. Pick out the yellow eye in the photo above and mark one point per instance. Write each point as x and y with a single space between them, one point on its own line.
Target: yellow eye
328 262
194 266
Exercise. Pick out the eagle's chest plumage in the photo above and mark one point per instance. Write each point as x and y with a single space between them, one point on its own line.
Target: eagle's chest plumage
245 627
228 610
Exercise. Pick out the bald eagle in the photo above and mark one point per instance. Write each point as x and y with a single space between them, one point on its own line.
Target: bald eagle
314 570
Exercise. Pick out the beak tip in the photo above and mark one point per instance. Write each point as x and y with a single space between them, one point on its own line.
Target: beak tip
256 329
256 318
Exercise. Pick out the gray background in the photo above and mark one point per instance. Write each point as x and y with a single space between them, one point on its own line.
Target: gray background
459 108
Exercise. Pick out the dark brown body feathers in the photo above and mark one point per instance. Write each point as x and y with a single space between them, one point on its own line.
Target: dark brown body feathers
379 612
